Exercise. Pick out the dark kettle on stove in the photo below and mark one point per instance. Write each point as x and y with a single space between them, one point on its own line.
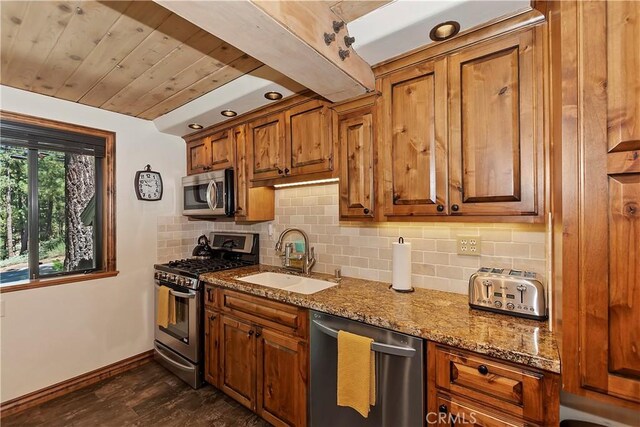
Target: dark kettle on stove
202 250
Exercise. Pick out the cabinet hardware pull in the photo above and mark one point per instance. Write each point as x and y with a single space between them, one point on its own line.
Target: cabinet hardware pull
286 171
280 172
440 208
455 208
258 334
483 369
443 409
366 211
250 333
213 317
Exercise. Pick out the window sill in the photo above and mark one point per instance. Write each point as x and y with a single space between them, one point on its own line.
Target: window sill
41 283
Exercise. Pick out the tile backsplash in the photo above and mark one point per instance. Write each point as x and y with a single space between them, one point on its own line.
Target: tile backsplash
177 236
364 250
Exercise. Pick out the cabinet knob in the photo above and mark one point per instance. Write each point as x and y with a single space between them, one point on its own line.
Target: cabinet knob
250 333
455 208
258 334
443 409
483 369
286 171
440 208
213 317
280 171
366 211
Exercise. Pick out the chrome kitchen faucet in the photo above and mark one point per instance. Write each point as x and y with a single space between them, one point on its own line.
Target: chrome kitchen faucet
308 258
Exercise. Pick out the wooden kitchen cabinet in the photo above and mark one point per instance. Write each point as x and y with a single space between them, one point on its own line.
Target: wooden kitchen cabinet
211 350
222 152
412 143
597 200
262 354
266 147
356 145
309 145
495 121
198 156
209 153
282 378
484 391
252 204
238 360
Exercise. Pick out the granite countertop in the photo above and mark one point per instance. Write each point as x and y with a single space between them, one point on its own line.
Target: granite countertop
442 317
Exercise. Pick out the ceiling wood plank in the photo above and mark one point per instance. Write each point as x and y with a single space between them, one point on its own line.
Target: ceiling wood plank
350 10
287 36
196 71
243 65
86 28
12 14
189 52
39 32
153 49
138 21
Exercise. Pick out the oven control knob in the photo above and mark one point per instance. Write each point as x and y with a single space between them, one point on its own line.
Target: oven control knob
171 278
180 281
510 306
498 304
156 275
163 276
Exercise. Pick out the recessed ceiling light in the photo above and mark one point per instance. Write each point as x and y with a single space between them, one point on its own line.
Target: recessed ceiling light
273 95
444 31
228 113
195 125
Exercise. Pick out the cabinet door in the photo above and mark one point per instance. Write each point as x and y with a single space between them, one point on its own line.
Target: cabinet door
198 156
356 165
610 200
309 146
282 379
252 204
221 150
211 347
266 147
238 360
413 140
495 159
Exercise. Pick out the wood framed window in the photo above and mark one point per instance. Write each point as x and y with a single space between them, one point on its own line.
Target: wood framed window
57 216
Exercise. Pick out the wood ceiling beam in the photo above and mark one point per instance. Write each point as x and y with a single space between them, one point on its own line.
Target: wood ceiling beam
288 36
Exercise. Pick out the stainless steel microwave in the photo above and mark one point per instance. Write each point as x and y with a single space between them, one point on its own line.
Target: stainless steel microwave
208 194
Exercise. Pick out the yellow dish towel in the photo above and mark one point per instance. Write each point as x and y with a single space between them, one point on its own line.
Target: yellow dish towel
356 372
166 307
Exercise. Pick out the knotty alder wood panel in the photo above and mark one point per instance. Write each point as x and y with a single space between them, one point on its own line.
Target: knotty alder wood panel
282 378
413 140
453 411
238 360
198 156
221 150
267 146
356 164
309 147
494 145
609 272
135 58
212 347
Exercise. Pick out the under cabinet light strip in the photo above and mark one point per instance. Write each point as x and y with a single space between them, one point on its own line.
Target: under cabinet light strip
298 184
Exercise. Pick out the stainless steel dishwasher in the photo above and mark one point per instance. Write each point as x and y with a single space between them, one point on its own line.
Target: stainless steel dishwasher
399 376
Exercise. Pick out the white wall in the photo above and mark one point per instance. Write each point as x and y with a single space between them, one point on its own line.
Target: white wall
52 334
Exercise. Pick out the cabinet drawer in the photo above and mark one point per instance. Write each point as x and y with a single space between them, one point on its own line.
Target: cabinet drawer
211 296
262 311
455 411
510 389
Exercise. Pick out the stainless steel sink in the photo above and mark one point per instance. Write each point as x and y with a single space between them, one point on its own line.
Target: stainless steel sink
288 282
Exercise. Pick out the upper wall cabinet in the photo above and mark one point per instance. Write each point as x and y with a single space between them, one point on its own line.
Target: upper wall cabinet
413 140
210 153
495 149
293 143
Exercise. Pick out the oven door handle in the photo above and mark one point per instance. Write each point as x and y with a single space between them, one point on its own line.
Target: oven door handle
189 295
171 361
211 201
394 350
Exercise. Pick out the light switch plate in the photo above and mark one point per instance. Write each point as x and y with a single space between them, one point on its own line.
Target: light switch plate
469 245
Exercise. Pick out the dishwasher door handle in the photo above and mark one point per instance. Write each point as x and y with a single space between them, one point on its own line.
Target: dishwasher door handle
375 346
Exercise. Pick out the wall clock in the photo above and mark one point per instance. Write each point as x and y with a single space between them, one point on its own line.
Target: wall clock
148 184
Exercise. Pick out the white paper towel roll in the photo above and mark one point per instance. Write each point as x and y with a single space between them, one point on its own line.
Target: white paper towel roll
401 266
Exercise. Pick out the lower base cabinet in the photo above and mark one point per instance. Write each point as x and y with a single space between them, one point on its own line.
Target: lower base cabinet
254 358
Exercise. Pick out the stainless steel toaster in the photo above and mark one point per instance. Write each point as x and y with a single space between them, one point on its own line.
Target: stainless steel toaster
516 292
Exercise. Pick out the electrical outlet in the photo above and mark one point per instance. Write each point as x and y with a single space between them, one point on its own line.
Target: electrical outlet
469 245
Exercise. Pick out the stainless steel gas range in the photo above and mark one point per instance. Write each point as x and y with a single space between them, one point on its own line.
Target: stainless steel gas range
180 346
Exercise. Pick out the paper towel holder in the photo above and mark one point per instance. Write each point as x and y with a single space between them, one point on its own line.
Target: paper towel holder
402 291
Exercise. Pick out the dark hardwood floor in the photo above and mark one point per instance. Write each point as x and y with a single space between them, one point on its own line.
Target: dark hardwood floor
146 396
